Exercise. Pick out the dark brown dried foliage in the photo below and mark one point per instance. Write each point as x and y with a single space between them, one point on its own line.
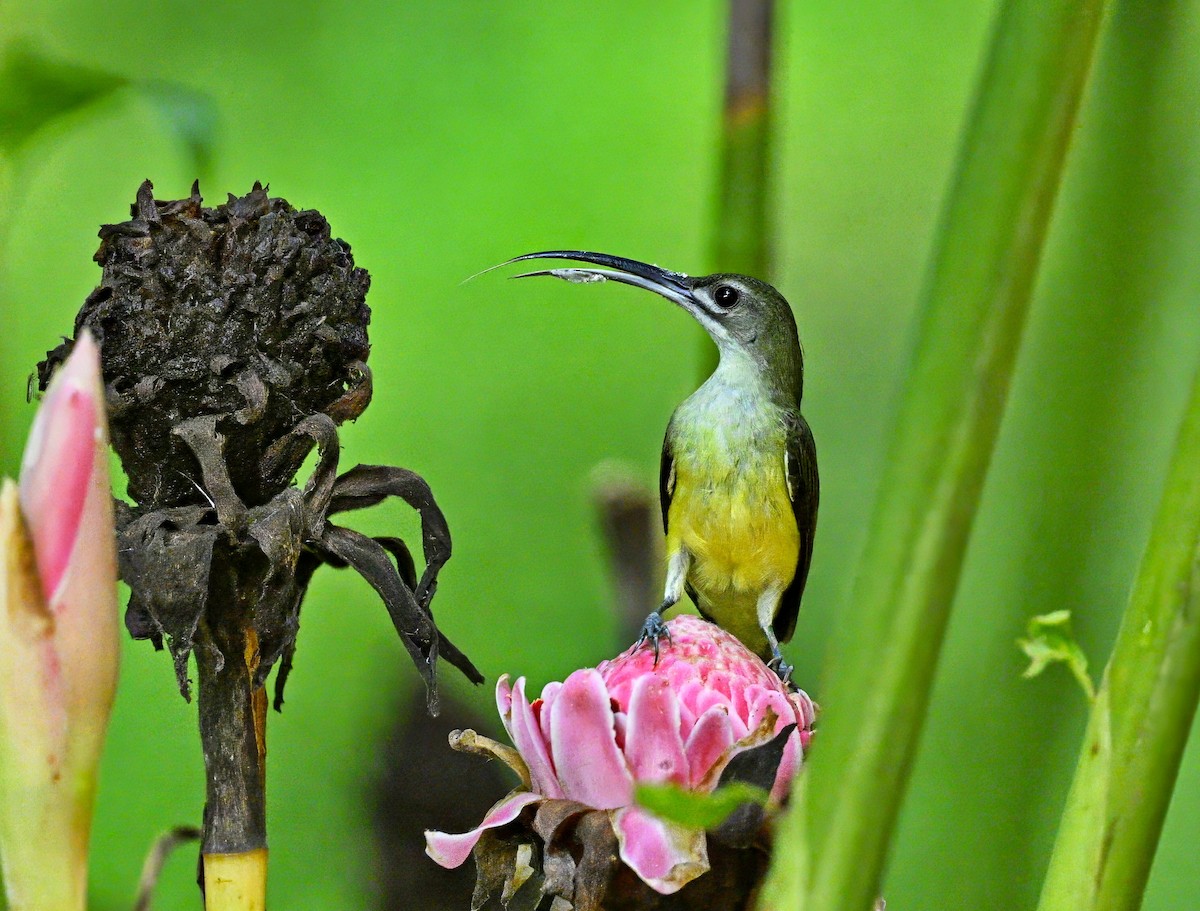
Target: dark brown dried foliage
234 341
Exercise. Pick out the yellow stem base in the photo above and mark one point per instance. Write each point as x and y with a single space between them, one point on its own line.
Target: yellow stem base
236 882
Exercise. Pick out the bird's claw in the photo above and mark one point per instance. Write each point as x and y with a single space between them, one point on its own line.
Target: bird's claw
653 630
782 668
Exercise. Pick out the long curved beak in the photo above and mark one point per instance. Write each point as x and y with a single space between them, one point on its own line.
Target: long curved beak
674 286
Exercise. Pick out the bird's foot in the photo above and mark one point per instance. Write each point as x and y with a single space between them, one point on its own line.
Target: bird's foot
782 668
653 630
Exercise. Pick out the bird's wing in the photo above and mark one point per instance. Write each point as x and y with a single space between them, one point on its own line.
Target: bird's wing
804 491
666 478
666 490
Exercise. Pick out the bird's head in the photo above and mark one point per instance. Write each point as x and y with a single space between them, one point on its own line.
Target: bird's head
741 314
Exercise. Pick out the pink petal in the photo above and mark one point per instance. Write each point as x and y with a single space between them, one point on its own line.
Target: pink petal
757 737
56 471
712 736
549 694
504 701
620 690
452 850
787 767
719 681
620 723
687 717
737 699
590 767
806 709
738 724
527 738
765 699
653 745
76 526
700 698
681 673
666 856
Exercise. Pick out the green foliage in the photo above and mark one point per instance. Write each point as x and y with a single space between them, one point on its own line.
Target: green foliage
1143 714
37 91
1080 847
1049 640
695 809
986 256
190 115
443 138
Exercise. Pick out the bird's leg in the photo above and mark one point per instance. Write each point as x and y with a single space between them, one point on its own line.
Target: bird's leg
781 667
654 629
768 605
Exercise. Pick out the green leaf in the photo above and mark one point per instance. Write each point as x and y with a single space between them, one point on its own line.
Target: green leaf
35 91
788 885
1050 641
696 809
191 115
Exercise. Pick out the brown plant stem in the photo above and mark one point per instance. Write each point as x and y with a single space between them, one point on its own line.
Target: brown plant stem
233 714
233 737
740 240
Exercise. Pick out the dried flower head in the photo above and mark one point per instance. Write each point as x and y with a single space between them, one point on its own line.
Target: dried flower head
708 712
249 311
233 341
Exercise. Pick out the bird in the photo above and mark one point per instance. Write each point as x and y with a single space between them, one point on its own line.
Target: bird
738 480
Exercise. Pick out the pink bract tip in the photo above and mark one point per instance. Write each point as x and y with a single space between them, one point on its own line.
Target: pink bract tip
60 456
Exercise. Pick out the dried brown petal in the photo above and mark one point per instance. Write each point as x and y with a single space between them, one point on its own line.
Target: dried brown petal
580 867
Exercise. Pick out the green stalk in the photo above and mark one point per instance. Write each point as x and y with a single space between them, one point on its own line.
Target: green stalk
833 843
741 223
740 239
1142 713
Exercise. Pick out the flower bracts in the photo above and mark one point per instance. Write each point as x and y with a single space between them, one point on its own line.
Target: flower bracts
587 741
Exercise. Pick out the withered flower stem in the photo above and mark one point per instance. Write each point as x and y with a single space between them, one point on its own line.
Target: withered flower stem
233 731
234 341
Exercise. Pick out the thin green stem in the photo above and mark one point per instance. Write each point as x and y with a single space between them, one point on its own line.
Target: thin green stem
994 225
1143 712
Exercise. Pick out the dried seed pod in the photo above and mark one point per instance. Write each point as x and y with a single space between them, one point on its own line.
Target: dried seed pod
234 340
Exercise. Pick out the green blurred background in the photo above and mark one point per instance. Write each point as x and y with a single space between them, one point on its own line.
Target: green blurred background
441 138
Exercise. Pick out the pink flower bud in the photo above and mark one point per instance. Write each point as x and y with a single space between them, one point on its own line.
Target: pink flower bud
58 639
594 736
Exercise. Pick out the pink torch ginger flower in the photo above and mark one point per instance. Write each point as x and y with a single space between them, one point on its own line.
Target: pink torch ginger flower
593 736
58 640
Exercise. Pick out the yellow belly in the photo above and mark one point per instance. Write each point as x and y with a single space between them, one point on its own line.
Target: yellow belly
741 533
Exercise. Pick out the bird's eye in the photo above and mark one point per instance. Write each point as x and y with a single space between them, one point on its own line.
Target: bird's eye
726 296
